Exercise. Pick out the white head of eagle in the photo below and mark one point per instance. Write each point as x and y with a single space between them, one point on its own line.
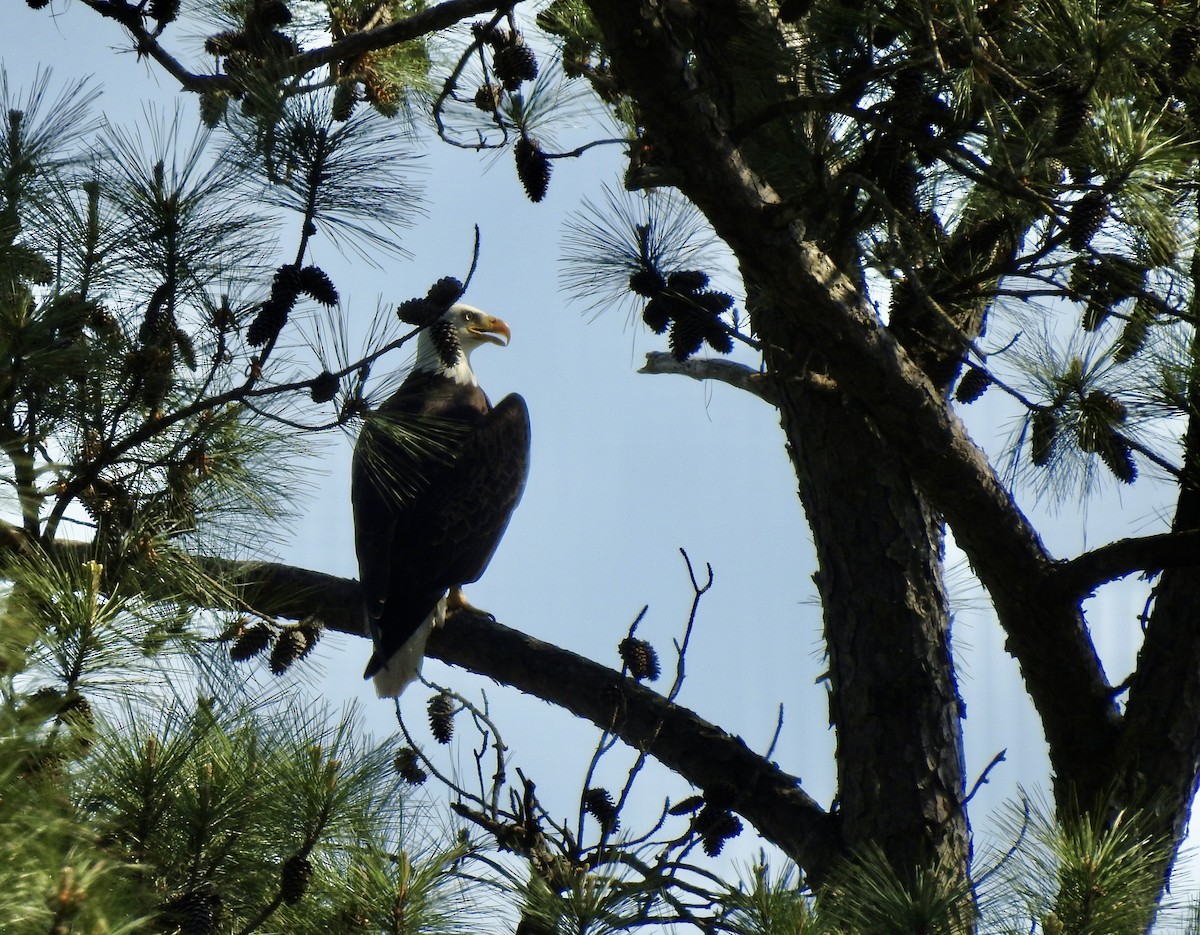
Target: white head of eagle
437 473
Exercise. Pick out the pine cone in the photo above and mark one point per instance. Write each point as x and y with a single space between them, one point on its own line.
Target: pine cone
647 283
707 309
269 15
1083 279
687 281
515 63
716 826
311 629
1074 109
295 876
1099 307
213 105
1084 219
441 717
286 287
250 643
1124 278
290 645
693 803
225 43
909 103
267 324
599 804
687 334
409 767
287 283
1119 459
157 323
445 292
446 342
488 97
314 282
324 387
900 184
533 168
418 312
163 12
972 385
384 96
1043 428
657 313
1133 335
718 338
1111 407
640 658
345 99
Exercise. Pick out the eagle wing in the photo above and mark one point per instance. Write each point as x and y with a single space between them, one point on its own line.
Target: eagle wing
469 507
426 521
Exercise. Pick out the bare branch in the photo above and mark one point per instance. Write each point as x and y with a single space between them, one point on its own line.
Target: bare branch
435 18
1082 574
983 777
699 751
725 371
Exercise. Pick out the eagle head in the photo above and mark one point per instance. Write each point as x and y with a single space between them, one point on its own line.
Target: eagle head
474 327
446 344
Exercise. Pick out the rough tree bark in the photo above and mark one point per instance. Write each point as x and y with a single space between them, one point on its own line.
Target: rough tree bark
893 701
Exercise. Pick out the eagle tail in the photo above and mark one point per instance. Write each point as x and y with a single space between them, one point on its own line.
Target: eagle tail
392 675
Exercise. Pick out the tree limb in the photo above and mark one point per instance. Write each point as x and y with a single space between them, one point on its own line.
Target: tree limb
700 752
1082 574
435 18
723 371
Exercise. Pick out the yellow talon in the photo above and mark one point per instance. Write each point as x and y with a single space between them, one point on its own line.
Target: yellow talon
456 602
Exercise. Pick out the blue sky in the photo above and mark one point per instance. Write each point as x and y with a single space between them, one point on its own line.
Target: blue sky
626 470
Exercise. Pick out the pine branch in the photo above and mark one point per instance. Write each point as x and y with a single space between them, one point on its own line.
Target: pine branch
435 18
1083 574
151 428
737 375
703 754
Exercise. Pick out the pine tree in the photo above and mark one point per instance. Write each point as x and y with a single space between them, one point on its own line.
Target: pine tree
907 190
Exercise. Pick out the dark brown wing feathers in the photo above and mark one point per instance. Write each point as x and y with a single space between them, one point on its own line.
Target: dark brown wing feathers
415 544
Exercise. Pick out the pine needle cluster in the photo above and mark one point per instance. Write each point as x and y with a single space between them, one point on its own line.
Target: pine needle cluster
144 811
650 251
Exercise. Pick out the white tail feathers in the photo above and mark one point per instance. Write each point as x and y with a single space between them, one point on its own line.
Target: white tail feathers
405 664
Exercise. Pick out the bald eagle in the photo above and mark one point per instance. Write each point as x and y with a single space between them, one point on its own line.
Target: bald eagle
437 473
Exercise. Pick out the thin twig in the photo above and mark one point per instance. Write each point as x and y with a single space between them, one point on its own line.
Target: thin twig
983 777
775 736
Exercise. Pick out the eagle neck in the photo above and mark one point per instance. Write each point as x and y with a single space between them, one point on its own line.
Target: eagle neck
430 361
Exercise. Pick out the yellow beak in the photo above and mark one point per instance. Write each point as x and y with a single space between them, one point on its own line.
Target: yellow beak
493 330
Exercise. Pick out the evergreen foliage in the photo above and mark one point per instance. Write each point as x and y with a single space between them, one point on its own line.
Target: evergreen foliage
129 808
907 198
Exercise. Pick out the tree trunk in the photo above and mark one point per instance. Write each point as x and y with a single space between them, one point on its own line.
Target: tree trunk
1158 756
893 699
